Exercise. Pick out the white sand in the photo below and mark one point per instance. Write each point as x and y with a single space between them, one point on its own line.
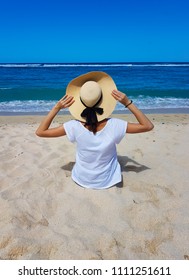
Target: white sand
45 215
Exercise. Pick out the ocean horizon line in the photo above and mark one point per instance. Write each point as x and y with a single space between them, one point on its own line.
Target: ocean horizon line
86 62
98 62
92 64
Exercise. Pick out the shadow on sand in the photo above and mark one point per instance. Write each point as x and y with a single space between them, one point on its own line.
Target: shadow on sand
127 164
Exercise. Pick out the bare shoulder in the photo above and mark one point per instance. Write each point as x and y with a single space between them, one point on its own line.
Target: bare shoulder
102 124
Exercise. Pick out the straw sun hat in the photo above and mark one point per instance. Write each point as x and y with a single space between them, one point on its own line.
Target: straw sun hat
92 92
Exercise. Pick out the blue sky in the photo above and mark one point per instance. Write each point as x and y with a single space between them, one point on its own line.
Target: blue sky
94 31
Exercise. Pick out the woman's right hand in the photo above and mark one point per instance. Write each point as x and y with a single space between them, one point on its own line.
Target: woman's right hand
65 102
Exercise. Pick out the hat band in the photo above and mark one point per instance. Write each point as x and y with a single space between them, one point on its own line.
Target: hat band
93 105
90 112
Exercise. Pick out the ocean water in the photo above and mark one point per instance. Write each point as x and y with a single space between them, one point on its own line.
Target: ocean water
35 88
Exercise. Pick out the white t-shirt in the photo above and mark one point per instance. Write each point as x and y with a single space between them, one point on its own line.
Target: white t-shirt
96 164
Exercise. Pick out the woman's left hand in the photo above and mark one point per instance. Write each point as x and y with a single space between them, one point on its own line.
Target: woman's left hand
44 130
65 102
121 97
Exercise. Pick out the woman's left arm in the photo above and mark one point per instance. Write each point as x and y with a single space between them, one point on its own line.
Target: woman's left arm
43 130
144 124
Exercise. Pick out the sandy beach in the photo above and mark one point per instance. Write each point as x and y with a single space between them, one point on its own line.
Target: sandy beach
45 215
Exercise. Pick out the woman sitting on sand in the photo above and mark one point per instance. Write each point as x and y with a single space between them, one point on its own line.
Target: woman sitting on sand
91 99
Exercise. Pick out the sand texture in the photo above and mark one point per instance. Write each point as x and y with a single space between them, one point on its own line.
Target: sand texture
45 215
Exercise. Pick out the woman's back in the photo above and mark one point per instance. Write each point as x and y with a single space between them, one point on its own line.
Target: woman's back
96 157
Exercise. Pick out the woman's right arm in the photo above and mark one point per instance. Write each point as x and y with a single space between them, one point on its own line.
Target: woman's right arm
144 124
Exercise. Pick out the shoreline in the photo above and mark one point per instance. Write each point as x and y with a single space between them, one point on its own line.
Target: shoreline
116 112
35 119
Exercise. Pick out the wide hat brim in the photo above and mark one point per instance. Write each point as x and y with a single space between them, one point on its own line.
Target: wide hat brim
107 85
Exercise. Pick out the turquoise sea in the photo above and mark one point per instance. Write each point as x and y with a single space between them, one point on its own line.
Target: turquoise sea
35 87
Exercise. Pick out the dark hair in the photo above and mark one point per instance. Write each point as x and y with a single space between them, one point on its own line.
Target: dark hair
92 127
90 114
